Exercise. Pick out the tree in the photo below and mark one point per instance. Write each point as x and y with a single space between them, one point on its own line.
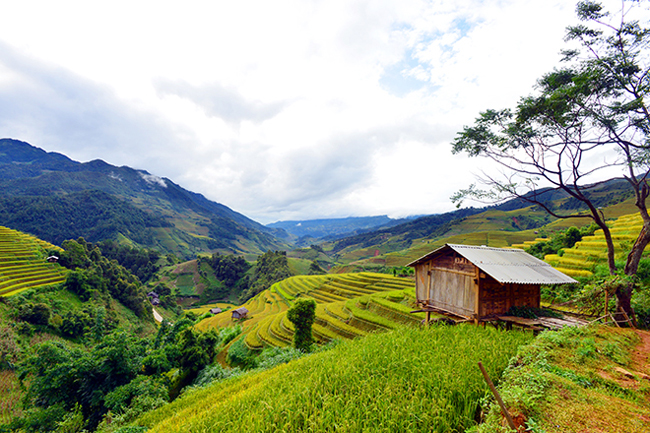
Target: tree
302 315
594 105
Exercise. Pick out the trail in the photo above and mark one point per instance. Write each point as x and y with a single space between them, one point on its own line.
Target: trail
156 316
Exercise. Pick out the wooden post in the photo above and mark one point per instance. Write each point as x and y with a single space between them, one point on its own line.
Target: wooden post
477 298
428 318
606 305
505 412
628 320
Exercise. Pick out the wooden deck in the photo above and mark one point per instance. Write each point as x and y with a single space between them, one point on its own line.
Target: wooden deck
538 324
541 322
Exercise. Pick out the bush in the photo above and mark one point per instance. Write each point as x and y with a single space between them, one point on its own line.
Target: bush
302 315
229 333
36 314
239 355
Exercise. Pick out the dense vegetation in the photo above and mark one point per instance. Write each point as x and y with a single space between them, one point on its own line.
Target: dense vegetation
560 240
94 276
141 262
94 215
121 373
269 268
230 273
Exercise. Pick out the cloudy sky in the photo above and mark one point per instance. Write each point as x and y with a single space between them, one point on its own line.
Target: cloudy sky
278 109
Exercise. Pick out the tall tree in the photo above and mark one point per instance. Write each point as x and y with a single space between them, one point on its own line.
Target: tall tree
595 105
302 314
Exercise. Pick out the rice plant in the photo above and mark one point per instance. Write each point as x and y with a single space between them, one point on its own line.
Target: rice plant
409 380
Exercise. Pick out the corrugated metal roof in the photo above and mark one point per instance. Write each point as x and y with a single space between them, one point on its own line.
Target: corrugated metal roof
506 265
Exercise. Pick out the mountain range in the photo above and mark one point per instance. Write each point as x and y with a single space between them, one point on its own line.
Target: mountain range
55 198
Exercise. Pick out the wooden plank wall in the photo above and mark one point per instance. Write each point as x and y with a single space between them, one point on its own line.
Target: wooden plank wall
496 298
453 292
447 281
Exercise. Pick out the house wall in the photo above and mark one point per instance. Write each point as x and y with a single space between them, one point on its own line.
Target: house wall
496 298
448 281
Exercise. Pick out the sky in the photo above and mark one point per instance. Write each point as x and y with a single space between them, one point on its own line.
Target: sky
280 110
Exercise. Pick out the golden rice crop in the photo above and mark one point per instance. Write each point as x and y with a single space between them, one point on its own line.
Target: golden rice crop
411 380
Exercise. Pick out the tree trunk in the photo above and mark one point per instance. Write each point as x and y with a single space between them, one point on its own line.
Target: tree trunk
599 219
624 304
634 256
610 249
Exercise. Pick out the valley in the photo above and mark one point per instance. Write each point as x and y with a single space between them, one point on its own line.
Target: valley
223 354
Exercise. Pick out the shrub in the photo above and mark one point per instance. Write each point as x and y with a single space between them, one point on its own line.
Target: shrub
302 315
240 356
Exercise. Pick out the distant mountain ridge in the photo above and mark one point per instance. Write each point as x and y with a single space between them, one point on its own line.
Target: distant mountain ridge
44 192
334 228
499 217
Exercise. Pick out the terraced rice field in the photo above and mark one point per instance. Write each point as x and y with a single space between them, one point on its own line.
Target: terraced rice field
580 260
348 306
23 264
413 380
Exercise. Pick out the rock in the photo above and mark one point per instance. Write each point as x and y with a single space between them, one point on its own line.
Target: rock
624 372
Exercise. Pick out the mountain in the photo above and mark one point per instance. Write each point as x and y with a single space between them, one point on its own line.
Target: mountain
55 198
498 225
334 228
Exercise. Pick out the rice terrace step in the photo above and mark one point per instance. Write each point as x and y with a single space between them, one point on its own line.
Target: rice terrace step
23 263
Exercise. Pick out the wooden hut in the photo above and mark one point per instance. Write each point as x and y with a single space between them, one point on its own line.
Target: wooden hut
240 313
481 283
215 310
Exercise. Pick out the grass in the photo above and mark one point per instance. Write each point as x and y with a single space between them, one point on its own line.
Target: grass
410 380
567 381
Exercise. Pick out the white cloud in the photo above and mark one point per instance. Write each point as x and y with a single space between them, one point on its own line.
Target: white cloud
281 110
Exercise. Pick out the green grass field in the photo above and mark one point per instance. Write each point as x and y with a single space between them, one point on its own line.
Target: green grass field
411 379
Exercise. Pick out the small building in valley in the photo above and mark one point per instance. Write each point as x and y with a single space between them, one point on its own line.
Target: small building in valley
240 313
215 310
480 283
154 298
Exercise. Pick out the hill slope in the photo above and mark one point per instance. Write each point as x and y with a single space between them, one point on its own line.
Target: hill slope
23 263
512 222
52 196
409 380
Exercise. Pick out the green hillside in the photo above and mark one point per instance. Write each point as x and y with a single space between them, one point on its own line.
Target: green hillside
409 380
99 201
493 227
348 306
23 263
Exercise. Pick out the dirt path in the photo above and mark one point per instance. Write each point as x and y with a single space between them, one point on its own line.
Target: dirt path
156 316
641 354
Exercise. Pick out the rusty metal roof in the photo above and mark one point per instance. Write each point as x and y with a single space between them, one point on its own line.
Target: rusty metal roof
506 265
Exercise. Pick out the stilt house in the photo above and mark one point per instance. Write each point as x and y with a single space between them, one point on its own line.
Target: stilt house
481 282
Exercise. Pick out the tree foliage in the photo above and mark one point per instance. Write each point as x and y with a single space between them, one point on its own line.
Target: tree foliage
122 372
270 267
594 105
141 262
93 274
302 314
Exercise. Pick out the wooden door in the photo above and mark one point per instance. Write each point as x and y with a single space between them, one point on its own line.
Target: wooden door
453 291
